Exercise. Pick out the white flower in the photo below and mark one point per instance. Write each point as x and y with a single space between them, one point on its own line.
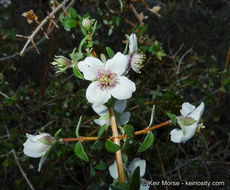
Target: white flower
136 57
107 79
119 107
133 165
37 146
187 111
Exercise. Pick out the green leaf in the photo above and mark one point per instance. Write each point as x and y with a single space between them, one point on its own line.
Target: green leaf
104 117
76 56
110 31
102 130
125 158
78 126
110 52
61 17
121 129
148 141
84 31
121 5
89 45
160 54
82 43
152 116
103 58
69 22
112 187
129 130
181 126
172 118
73 13
44 141
111 146
80 152
94 28
92 170
57 133
101 166
187 121
77 73
135 180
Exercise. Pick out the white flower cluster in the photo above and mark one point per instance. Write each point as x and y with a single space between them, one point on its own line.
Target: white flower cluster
5 3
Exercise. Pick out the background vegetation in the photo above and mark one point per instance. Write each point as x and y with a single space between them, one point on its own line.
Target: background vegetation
195 37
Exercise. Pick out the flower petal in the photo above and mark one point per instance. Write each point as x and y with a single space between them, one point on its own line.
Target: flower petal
89 67
102 122
124 118
123 89
186 109
197 113
96 95
36 137
100 109
117 64
34 149
113 170
176 135
120 105
132 43
135 163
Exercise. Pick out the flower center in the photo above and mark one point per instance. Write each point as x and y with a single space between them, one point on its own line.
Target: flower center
106 79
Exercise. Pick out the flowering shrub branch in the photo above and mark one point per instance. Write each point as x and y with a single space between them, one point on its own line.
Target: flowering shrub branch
108 92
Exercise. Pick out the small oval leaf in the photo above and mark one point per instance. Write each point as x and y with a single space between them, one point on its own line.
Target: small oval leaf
135 180
111 146
110 52
148 141
77 73
102 130
172 118
80 152
129 130
101 166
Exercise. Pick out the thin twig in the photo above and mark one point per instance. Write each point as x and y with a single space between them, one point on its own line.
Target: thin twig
30 38
21 170
117 136
17 162
37 43
181 59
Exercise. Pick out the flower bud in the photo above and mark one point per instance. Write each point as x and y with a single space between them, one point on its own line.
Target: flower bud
61 63
86 23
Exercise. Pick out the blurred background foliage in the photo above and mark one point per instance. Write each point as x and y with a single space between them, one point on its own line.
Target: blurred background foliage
194 35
